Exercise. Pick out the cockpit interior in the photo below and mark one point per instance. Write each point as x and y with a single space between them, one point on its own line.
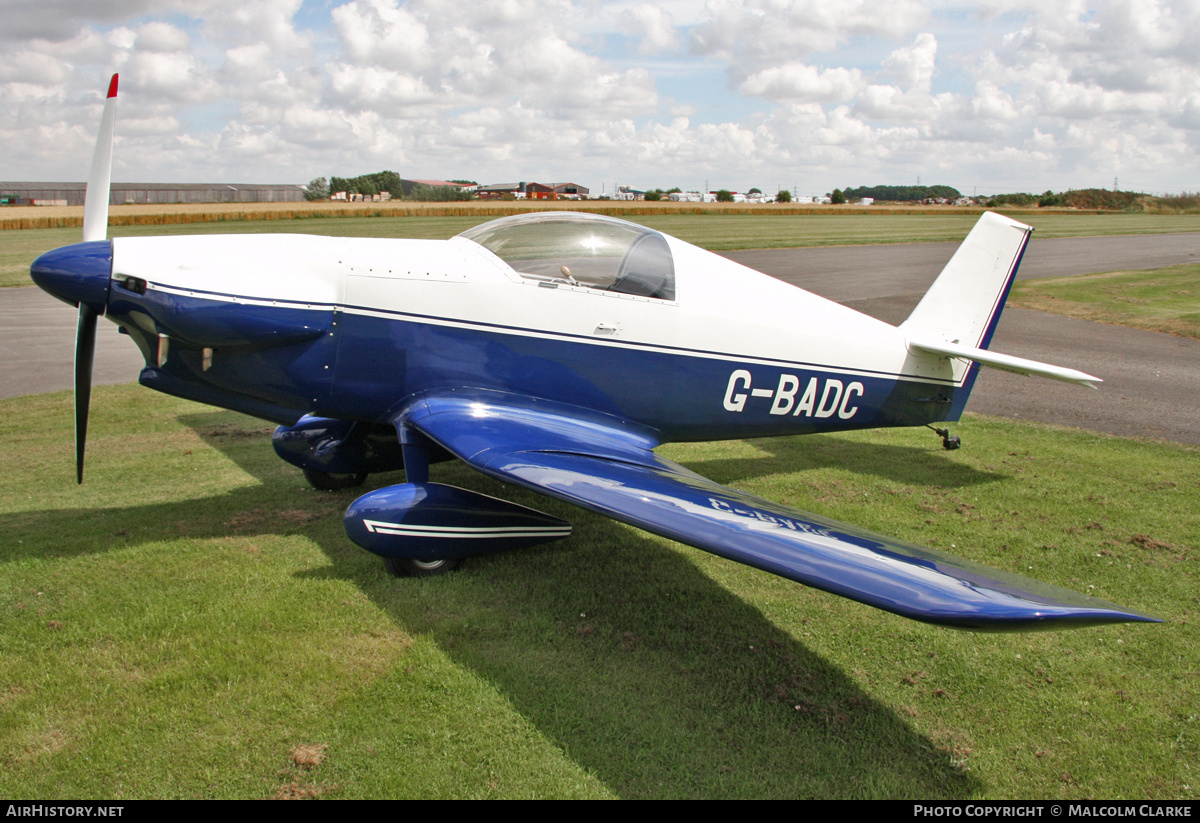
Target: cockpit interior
587 250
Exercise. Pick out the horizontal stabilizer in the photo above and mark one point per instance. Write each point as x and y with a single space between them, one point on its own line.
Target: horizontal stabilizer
571 454
1007 362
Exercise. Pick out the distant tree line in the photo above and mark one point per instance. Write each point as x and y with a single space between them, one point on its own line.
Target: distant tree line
1095 200
369 184
438 194
902 194
317 189
1018 199
659 194
385 181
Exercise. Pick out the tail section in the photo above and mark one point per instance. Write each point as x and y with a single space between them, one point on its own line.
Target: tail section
951 328
965 302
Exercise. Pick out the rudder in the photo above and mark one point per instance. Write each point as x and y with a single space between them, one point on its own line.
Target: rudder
964 303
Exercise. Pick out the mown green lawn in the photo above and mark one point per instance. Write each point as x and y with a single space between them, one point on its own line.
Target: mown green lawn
1163 300
193 622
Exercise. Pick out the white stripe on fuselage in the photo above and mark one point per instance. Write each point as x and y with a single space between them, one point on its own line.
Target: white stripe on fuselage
465 532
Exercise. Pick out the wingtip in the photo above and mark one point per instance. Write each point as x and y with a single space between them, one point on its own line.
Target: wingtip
112 87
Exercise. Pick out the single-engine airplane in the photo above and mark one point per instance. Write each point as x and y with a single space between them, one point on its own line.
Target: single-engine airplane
555 351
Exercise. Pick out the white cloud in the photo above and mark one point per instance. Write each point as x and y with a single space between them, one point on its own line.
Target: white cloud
368 87
153 126
796 82
160 36
566 88
32 68
756 34
653 26
262 21
382 34
913 65
56 21
166 77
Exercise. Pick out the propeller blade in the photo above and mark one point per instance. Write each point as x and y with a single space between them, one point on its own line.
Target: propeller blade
95 227
95 201
85 352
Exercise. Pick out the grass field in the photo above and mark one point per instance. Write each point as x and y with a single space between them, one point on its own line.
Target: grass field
193 622
1164 300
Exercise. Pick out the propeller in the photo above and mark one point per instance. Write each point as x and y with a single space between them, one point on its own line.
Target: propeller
85 352
95 227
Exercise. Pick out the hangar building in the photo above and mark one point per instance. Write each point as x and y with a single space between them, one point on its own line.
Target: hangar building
71 194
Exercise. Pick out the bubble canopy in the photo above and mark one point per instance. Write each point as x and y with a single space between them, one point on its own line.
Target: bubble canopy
579 249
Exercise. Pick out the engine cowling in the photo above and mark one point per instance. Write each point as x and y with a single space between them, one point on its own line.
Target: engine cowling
433 521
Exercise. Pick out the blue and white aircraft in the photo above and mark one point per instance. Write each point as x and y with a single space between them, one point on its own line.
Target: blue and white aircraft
555 351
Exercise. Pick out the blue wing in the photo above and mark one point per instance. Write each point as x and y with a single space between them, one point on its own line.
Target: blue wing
607 465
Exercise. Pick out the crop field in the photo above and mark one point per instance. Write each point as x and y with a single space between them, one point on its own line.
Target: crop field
35 217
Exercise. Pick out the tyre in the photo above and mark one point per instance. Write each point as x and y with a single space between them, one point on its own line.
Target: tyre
407 567
329 482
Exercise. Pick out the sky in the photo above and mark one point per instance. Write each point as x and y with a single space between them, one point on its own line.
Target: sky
807 95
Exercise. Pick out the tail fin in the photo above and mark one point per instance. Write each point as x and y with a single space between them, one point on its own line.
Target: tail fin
957 316
964 303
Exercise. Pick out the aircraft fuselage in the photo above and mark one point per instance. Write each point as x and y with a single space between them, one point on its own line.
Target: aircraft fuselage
283 325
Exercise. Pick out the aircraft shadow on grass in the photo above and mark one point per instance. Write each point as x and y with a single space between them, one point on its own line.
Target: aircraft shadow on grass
899 464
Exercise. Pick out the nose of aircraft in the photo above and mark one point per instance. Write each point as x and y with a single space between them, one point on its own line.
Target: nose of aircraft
76 274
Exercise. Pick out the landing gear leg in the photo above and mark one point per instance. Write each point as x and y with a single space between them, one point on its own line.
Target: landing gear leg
950 442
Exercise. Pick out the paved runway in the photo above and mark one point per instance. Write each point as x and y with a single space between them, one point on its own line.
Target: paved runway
1152 381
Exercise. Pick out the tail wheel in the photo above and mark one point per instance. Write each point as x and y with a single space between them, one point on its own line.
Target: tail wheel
329 482
407 567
